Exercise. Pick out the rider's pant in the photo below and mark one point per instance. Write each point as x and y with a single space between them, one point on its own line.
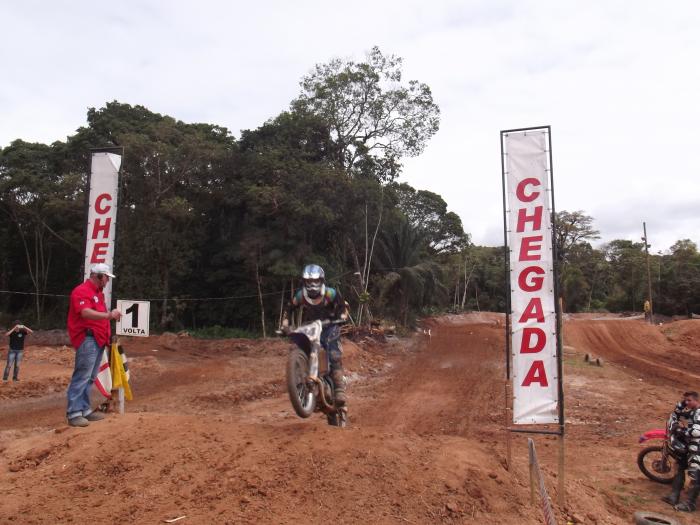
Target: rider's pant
330 340
694 468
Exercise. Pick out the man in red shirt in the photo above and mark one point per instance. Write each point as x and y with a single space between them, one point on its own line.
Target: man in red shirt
89 330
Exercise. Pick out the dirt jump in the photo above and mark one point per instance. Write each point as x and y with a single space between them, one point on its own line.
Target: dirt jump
211 437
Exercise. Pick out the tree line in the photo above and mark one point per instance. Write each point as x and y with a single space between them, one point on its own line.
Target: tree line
215 229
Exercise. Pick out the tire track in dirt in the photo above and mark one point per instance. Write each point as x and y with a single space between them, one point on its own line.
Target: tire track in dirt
641 347
448 387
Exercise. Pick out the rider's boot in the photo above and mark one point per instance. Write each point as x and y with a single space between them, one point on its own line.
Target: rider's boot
676 487
689 505
338 377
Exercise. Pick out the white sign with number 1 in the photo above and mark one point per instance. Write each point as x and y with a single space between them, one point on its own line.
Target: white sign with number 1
135 318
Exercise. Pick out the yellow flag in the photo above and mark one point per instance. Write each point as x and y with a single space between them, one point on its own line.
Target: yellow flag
118 373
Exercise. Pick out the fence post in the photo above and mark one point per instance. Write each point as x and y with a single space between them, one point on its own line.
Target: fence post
535 472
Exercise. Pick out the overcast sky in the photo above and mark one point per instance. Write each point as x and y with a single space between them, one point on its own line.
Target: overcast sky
618 81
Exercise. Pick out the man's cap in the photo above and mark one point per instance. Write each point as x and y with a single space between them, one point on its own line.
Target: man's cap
102 268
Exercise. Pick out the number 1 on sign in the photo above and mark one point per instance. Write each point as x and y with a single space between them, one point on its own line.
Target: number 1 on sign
140 314
134 311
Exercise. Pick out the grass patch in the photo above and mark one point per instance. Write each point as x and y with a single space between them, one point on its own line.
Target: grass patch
577 363
222 332
633 499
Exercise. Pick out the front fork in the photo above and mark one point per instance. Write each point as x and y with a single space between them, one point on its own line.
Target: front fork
313 363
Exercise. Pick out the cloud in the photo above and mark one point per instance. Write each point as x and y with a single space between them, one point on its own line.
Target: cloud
616 84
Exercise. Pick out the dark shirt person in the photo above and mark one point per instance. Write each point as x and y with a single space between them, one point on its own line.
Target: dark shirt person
679 421
89 331
691 434
17 334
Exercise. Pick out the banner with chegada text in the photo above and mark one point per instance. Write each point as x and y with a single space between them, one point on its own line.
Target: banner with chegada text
102 213
533 337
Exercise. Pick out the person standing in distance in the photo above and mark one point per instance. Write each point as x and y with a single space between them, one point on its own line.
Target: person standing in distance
89 331
17 334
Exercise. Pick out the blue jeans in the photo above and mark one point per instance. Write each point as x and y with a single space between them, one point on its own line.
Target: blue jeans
330 340
13 358
87 364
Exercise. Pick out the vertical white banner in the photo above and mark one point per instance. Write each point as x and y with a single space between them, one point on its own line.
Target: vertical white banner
102 213
533 313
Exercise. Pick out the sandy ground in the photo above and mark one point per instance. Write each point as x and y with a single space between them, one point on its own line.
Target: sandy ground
211 435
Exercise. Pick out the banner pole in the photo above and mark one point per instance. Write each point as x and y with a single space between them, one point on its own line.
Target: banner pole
121 400
559 300
506 280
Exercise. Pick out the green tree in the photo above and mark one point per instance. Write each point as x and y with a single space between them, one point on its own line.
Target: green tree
374 119
684 277
411 280
628 269
427 211
169 171
573 228
41 202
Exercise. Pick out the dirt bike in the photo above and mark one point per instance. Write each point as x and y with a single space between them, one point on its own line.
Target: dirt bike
660 462
308 392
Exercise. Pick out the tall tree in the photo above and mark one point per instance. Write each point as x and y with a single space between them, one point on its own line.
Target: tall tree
427 211
573 228
374 118
40 201
684 285
411 278
627 265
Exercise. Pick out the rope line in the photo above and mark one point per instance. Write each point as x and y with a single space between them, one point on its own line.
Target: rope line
188 299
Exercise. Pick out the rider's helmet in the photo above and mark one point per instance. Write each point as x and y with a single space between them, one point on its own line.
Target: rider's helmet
314 279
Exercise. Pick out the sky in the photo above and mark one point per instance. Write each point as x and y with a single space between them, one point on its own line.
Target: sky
617 81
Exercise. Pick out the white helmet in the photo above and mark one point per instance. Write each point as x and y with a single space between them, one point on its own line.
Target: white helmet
314 280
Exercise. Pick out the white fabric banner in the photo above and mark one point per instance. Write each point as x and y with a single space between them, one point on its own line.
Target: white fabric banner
533 314
102 214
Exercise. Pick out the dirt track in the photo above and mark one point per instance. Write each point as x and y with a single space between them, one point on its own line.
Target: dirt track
211 435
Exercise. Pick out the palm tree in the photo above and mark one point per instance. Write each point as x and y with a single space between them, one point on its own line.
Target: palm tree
411 276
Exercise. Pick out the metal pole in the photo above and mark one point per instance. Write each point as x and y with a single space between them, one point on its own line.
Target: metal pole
558 310
646 249
121 400
506 266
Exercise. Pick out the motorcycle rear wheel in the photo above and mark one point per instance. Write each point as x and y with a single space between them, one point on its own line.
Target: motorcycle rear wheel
650 462
301 395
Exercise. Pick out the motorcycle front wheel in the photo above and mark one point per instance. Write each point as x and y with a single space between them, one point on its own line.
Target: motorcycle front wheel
654 466
302 396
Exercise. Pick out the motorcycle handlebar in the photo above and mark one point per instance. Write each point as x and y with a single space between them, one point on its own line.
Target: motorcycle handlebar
333 321
325 323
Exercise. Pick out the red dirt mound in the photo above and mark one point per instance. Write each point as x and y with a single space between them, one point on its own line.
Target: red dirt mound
211 435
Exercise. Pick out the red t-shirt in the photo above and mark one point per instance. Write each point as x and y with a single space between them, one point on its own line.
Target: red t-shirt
87 295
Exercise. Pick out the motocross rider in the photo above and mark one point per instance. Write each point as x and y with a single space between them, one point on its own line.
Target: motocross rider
320 302
682 413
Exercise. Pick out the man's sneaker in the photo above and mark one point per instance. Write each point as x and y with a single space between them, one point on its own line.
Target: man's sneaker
685 507
95 416
671 499
78 421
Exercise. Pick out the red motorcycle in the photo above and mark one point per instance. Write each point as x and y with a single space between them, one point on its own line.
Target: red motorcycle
660 462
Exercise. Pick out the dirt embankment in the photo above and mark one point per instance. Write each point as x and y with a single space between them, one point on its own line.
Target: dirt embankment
211 435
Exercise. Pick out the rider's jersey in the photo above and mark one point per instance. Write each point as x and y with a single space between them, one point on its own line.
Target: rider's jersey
331 306
692 432
680 412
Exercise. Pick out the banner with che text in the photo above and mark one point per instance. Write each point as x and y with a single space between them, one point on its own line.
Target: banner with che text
102 213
